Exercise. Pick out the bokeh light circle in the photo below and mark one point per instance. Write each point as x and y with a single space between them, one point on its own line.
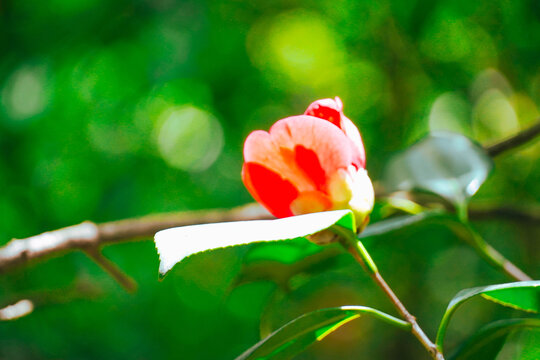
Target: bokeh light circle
189 138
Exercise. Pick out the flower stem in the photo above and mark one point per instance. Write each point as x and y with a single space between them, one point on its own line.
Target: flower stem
112 269
492 256
360 254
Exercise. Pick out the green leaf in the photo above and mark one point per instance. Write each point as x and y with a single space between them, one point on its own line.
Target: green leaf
278 262
291 252
521 298
397 223
487 342
447 164
522 295
287 252
295 336
174 245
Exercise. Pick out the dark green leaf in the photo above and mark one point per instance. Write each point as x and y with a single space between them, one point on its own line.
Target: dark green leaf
522 295
521 298
486 343
307 329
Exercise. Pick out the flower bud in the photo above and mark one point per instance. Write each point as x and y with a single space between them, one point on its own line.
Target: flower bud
310 163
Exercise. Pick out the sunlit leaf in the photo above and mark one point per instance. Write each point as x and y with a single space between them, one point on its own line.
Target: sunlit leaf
447 164
175 244
522 295
487 342
307 329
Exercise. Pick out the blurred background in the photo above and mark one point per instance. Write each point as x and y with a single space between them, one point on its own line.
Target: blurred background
116 109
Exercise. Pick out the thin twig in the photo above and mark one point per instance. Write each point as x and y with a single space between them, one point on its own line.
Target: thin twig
355 248
466 232
112 269
15 307
88 234
528 214
517 140
17 310
416 329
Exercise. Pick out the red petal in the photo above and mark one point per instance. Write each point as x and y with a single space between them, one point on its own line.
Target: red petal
308 162
269 189
327 109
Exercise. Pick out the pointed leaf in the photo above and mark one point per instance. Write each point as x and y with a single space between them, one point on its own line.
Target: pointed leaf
447 164
522 295
487 342
521 298
295 336
174 245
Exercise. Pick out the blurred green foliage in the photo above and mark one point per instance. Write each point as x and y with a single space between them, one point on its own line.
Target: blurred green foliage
93 125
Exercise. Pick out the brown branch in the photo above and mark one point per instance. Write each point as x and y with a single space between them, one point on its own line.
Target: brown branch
514 141
15 307
468 234
89 235
21 251
17 310
362 257
527 214
112 269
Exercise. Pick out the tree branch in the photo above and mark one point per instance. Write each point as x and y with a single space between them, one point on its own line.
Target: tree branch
112 269
517 140
527 214
17 310
15 307
89 235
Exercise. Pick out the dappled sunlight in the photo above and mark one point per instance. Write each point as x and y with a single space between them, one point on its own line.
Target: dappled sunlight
130 117
298 47
451 39
189 138
494 116
26 93
451 111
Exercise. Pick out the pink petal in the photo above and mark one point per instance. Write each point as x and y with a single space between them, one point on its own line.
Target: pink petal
298 156
325 140
332 110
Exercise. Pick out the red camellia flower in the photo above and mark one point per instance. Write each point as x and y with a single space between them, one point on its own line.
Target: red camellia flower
309 163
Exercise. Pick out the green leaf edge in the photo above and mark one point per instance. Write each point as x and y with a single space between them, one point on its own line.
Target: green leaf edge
484 335
467 294
400 222
349 313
